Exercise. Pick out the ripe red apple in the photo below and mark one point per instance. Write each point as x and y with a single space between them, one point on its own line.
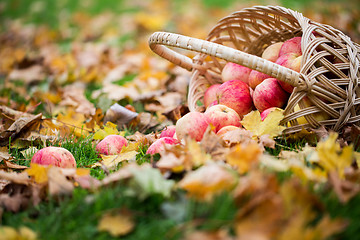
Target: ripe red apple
193 125
226 129
292 61
111 145
293 45
159 144
255 78
221 115
233 71
271 53
266 112
236 95
168 131
55 156
269 94
210 94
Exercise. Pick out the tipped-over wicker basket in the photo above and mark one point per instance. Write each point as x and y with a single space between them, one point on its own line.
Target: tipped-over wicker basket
329 74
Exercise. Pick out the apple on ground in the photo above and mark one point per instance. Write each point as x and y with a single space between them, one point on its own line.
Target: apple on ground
233 71
293 45
255 78
159 144
210 94
292 61
271 53
269 94
55 156
168 131
226 129
220 116
235 94
111 145
193 125
266 112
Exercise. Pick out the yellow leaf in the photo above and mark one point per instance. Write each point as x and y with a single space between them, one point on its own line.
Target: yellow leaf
195 154
82 172
24 233
109 129
75 122
38 172
331 157
270 125
243 156
111 161
207 181
116 224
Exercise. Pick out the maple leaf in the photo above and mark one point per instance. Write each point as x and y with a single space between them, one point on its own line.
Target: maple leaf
73 122
38 172
332 157
116 224
270 125
109 129
244 156
111 161
207 181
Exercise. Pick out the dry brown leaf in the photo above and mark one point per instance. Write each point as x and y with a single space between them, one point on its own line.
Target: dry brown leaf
344 189
213 145
58 183
214 235
20 178
28 75
15 197
119 115
74 96
238 136
244 156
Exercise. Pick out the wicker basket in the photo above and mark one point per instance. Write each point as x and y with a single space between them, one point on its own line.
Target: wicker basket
242 37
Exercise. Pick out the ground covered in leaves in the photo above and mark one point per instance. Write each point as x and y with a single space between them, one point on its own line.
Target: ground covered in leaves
72 73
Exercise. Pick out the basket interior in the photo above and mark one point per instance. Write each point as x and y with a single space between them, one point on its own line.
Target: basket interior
329 65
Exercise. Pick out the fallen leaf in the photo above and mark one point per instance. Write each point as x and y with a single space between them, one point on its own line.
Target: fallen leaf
207 181
119 115
332 157
116 224
244 156
28 75
111 161
23 233
109 129
38 172
221 234
58 183
147 181
270 125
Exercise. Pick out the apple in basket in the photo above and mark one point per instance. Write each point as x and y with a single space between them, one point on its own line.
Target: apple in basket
292 61
159 144
319 116
293 45
271 53
255 78
235 94
210 95
233 71
55 156
111 145
193 125
269 94
220 116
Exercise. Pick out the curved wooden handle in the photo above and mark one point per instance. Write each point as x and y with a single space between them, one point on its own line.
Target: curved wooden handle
160 41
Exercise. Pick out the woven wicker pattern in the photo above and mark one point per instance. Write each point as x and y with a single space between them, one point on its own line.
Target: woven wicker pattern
329 72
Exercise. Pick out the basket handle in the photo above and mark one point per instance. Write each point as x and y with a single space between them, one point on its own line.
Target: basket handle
160 41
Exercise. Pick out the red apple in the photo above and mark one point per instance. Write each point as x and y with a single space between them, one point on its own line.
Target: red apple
266 112
193 125
271 53
111 145
293 45
221 115
55 156
236 95
255 78
159 144
233 71
210 94
269 94
292 61
226 129
168 131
